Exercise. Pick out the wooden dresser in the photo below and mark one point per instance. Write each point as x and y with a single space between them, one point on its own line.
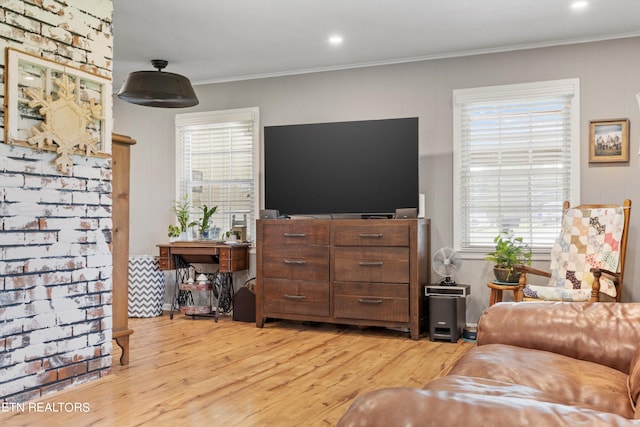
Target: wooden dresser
359 272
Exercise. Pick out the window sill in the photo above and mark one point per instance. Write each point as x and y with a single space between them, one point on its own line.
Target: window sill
481 254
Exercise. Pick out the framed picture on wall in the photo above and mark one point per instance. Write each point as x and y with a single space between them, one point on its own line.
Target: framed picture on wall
609 141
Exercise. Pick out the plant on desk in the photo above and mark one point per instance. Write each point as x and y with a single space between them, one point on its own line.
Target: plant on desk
174 231
182 210
204 222
509 252
231 236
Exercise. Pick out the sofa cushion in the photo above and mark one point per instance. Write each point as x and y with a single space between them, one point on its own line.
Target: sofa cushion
634 381
576 382
603 333
491 387
403 407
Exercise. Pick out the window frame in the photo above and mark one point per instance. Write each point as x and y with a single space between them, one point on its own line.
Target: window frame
223 116
502 93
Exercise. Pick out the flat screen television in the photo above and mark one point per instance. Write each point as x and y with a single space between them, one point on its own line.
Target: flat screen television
365 168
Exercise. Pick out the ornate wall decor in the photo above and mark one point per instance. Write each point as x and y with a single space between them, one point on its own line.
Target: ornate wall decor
56 107
65 124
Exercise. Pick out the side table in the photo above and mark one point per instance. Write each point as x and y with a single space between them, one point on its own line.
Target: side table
498 287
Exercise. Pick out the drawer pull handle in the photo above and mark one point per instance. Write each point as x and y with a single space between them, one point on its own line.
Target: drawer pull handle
295 235
296 297
370 235
370 263
369 301
295 261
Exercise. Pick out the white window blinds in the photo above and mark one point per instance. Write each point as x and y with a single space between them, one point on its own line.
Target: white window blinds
516 159
216 165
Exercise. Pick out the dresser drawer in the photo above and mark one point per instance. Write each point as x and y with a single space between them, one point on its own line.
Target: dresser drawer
380 235
233 258
388 264
372 301
295 297
294 233
165 262
296 262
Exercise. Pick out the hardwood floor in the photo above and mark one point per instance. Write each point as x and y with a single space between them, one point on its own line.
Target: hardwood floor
186 372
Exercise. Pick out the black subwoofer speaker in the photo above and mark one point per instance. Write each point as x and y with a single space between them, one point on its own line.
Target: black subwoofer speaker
446 317
244 305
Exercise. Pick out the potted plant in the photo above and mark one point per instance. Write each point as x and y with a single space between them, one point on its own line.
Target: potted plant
204 222
181 209
509 251
174 232
231 236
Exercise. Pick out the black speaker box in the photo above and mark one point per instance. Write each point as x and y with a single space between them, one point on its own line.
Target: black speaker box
406 213
269 214
244 305
446 317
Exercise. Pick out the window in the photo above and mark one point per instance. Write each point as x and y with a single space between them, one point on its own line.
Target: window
516 159
216 155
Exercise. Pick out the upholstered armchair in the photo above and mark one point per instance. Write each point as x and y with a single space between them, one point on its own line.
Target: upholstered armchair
587 259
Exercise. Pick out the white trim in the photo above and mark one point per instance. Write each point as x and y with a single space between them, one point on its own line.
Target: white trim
506 93
208 117
458 54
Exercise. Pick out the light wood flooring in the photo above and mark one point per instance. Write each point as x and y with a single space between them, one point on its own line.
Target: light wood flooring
186 372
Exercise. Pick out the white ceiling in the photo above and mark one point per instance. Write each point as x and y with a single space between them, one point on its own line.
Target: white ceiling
224 40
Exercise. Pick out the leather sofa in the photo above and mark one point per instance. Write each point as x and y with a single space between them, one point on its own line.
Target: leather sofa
535 364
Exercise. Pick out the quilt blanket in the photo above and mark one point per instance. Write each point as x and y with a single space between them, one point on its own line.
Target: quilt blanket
590 238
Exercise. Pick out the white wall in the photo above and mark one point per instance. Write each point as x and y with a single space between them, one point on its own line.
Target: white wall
609 74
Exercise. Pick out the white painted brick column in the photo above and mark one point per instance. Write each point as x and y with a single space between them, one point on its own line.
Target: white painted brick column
55 230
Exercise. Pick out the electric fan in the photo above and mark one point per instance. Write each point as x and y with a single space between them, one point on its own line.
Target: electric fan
445 262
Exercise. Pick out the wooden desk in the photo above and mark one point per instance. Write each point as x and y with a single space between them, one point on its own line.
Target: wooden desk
498 288
180 255
229 257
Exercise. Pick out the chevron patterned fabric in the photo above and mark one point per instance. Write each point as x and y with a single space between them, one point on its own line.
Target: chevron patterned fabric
146 286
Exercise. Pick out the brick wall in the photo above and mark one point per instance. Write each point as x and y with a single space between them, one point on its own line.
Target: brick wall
55 229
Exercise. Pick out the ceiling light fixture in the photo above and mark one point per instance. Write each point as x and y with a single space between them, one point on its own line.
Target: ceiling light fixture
579 5
335 40
158 88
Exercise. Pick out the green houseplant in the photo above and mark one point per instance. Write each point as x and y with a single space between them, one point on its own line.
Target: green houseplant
182 210
174 231
509 252
206 217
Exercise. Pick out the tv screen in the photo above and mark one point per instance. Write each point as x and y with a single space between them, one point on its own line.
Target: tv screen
363 167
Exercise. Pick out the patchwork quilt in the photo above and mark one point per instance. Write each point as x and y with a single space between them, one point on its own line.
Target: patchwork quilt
590 238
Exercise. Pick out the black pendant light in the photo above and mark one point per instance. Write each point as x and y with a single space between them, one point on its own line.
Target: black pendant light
158 88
